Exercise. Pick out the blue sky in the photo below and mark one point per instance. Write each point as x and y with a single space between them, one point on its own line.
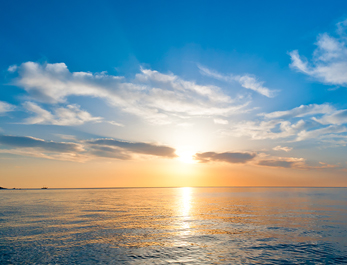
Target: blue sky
257 83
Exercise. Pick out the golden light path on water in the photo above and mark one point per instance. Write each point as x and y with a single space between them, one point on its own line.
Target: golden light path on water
185 206
174 226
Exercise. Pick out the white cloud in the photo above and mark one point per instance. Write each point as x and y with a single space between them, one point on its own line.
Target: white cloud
338 117
220 121
6 107
71 115
298 124
12 68
329 60
273 129
159 98
282 148
115 123
246 81
303 110
314 134
173 83
250 82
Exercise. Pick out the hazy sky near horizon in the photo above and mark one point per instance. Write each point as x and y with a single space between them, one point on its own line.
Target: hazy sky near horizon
173 93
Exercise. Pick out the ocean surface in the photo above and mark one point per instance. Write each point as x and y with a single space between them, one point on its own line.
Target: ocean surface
174 226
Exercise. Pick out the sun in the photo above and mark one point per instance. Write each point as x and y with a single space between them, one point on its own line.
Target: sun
186 155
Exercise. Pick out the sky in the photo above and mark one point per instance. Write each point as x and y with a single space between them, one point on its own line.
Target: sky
173 93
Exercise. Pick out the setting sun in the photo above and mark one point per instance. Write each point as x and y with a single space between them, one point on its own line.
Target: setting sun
186 156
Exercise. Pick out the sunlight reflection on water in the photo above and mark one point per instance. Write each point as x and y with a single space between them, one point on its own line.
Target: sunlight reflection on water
174 225
185 210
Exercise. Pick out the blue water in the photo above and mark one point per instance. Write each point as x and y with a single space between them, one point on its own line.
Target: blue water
174 226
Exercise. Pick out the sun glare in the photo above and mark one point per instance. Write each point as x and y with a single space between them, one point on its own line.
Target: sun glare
186 156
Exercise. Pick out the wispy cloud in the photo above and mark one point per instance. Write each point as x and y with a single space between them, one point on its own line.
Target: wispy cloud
71 115
282 148
338 117
298 124
315 134
334 140
329 61
301 111
115 123
246 81
273 129
6 107
156 97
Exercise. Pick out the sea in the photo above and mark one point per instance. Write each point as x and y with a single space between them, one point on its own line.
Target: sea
174 226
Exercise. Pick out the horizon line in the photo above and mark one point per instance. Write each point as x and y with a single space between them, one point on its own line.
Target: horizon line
172 187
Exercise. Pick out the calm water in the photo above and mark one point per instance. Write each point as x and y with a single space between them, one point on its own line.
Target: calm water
174 226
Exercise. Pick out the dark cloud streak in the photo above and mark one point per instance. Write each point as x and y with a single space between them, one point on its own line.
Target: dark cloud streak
229 157
137 147
109 152
31 142
277 163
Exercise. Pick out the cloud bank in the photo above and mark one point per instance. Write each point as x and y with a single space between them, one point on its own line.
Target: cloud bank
82 150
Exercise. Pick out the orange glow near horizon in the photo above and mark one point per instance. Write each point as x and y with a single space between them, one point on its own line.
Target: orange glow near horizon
35 173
